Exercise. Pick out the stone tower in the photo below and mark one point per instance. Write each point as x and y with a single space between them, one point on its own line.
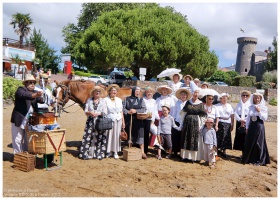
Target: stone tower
246 48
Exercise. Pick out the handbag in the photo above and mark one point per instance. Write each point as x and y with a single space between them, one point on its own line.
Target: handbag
143 116
241 130
103 123
123 135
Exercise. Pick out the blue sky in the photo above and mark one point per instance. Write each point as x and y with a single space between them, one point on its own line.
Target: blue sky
220 22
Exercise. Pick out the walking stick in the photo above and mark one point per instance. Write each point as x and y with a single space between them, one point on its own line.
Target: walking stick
130 127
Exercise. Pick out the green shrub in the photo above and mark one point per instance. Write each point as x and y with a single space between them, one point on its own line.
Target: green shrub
10 86
262 85
244 81
270 77
80 73
273 102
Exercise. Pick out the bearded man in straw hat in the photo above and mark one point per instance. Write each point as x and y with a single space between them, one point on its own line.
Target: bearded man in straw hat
26 99
47 95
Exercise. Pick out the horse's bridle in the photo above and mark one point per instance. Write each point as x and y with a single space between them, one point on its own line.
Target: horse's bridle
65 95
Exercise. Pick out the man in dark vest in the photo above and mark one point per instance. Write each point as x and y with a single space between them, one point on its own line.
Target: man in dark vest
26 100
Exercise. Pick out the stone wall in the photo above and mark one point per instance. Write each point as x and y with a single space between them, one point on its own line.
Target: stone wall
234 91
270 94
143 84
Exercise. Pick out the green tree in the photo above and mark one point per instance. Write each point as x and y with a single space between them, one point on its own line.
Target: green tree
220 76
44 53
231 75
154 38
272 61
21 24
90 13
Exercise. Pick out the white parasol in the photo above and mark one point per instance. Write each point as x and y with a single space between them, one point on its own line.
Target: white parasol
207 91
168 72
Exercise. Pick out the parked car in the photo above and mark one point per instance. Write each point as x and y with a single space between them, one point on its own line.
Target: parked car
97 79
116 77
220 83
106 77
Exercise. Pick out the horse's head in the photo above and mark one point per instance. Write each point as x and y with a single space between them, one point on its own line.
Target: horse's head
61 94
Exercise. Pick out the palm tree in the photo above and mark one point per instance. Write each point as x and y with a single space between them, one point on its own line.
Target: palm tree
21 24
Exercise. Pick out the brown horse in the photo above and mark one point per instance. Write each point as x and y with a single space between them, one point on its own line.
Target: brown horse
79 92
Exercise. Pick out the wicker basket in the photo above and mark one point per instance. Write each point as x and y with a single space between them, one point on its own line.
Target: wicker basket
132 154
46 142
24 161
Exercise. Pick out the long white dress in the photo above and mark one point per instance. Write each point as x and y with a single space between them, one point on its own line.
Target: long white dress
114 109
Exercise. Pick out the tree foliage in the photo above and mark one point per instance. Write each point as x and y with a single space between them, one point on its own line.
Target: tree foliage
21 24
154 38
272 61
90 13
44 53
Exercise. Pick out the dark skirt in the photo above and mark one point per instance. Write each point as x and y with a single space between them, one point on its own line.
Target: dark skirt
137 130
224 136
190 131
176 139
239 139
147 128
255 148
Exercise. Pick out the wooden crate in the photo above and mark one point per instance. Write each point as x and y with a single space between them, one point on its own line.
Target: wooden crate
132 154
24 161
46 142
44 118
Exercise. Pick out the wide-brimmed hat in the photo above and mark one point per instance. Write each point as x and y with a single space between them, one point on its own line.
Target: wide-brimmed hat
42 76
159 89
103 93
167 106
224 95
245 92
205 83
111 86
29 77
178 92
180 76
209 120
190 77
149 89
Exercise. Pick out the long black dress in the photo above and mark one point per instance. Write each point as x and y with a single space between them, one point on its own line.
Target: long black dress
191 145
137 131
255 148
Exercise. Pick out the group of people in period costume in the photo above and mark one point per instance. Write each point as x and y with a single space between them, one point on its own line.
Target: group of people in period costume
185 125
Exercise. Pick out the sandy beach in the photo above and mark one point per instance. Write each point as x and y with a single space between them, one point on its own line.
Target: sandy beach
144 178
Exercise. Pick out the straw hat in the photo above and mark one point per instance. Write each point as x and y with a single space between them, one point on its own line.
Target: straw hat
159 89
111 86
180 76
205 83
209 120
98 88
245 92
29 77
190 77
178 92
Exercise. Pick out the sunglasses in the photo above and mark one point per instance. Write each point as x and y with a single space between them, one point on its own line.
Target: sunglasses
210 99
245 95
31 82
